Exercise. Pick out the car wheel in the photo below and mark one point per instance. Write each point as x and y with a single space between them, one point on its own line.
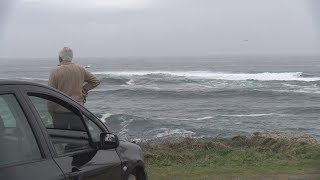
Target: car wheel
132 177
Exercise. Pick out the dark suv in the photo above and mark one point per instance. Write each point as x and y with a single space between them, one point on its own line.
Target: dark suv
46 135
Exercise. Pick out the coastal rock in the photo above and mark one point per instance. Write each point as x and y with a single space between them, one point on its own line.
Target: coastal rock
288 136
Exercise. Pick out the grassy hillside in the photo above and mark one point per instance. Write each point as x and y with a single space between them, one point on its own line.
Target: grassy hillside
238 157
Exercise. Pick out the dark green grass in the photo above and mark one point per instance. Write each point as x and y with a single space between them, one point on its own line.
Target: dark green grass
237 157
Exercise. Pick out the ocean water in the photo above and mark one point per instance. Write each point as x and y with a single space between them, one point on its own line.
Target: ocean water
221 96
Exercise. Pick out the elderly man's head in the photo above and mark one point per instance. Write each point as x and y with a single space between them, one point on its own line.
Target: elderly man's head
66 54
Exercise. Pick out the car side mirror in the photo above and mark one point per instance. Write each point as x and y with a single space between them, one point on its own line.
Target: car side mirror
108 141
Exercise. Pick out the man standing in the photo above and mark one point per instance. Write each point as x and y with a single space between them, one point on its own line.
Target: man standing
72 79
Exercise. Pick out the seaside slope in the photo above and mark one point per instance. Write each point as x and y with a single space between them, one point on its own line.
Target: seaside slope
268 155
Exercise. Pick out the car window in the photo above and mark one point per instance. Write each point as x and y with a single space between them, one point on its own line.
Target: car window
65 126
17 141
94 129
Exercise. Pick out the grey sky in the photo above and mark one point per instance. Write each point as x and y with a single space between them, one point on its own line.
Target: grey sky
99 28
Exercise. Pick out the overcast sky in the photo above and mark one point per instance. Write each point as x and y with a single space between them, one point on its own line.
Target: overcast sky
107 28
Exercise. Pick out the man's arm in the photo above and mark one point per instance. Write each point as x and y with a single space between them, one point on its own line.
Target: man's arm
91 81
52 81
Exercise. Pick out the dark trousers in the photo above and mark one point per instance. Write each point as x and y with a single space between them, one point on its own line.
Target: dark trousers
69 121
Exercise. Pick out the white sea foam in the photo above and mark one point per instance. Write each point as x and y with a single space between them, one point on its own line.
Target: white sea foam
169 132
248 115
167 118
303 91
33 79
204 118
125 130
266 76
131 82
126 123
291 85
139 87
104 117
185 119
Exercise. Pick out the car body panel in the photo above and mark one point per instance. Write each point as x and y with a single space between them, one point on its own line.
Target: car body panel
90 164
95 164
36 169
86 164
131 156
44 169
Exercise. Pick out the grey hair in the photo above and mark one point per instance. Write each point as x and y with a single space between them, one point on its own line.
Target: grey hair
66 54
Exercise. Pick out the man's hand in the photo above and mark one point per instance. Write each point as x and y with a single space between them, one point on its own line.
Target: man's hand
84 93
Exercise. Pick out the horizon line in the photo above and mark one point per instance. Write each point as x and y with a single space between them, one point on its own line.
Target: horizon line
177 56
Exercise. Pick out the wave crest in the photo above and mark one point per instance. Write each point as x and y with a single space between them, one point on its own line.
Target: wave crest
209 75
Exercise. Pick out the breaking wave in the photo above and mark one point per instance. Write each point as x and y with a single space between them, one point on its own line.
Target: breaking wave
115 80
208 75
249 115
127 127
176 94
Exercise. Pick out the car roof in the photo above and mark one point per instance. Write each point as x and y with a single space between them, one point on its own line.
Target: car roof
16 82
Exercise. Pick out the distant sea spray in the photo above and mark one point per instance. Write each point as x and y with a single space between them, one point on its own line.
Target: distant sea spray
204 83
265 76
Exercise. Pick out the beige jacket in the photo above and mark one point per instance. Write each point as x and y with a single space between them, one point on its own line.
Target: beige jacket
71 79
